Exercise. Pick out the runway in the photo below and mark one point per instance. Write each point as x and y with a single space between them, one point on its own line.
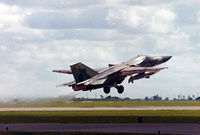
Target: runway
189 129
99 108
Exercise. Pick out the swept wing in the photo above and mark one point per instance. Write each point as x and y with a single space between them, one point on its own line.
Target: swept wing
121 71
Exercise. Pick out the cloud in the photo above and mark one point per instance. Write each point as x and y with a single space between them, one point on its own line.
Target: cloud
142 19
198 16
132 18
54 4
68 19
3 48
123 17
9 17
38 36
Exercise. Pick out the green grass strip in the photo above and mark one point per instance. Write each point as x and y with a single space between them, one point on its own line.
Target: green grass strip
163 116
104 104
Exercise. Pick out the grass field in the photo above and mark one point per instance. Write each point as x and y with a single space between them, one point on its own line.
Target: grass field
162 116
104 104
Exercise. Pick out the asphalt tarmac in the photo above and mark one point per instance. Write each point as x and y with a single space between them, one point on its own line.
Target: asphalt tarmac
185 129
99 108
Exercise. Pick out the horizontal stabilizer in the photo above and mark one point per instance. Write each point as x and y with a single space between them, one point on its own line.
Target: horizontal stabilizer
63 71
66 84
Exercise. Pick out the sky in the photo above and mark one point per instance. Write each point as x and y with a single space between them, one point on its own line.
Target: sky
37 36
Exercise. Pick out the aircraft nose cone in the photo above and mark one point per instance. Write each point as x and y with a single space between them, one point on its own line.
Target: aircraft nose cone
162 59
166 58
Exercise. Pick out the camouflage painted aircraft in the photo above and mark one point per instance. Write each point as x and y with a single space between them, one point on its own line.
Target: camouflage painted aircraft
86 78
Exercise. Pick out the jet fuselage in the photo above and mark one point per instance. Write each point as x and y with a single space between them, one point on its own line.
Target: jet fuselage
136 68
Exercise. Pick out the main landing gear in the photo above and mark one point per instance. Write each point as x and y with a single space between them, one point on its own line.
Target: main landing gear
106 90
120 89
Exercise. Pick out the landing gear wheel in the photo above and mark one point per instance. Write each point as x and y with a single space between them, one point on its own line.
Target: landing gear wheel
120 89
106 90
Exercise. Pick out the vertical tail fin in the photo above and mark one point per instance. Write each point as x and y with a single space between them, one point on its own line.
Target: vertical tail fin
82 72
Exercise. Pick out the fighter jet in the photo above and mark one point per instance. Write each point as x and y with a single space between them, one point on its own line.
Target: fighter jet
86 78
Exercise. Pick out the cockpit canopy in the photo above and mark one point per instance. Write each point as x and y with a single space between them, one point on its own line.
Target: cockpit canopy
136 61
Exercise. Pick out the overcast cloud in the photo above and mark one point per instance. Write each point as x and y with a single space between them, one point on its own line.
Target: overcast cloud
38 36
